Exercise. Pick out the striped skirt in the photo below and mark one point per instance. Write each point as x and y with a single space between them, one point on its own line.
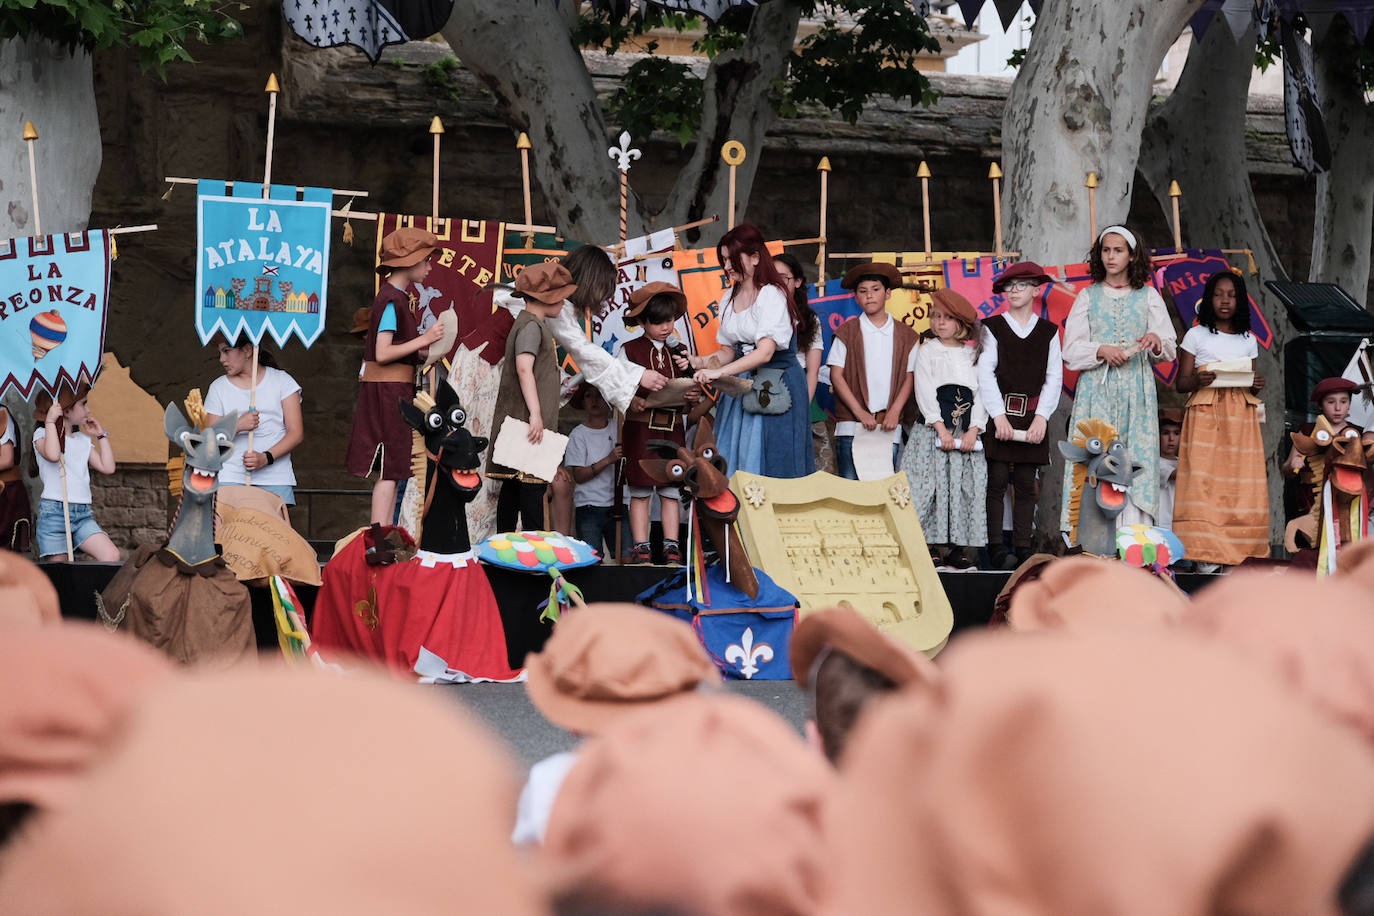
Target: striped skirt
1221 509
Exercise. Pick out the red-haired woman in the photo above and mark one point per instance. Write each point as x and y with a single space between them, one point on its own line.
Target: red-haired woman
758 338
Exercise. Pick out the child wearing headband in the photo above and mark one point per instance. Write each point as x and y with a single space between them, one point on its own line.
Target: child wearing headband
1118 327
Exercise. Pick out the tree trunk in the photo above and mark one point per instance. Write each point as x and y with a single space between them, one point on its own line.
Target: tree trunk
737 106
1197 138
52 87
1341 235
1078 105
524 54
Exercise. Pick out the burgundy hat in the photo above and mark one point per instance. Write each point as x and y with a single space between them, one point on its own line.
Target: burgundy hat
888 273
1021 270
1333 386
956 305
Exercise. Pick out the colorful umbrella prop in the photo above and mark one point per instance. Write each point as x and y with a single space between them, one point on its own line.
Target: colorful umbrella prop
1148 546
47 331
542 552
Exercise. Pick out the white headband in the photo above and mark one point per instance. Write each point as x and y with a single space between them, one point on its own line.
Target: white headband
1118 230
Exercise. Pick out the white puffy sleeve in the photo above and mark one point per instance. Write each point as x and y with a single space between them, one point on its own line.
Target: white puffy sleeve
1080 352
1158 322
771 318
989 392
616 379
980 407
1054 380
924 389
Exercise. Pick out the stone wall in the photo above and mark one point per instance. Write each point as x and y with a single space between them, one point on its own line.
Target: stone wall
344 124
131 505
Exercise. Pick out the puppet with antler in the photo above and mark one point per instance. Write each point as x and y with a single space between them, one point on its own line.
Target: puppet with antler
180 596
1101 479
1340 511
431 611
702 474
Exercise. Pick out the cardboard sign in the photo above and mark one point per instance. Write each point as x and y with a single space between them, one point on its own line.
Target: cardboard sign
263 264
54 290
258 545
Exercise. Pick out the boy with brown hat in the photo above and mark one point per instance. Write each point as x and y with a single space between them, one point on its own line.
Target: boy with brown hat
656 307
529 390
393 348
868 365
602 663
1020 374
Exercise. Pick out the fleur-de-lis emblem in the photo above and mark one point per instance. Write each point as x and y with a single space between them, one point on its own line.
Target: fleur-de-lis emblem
745 653
900 493
755 494
623 154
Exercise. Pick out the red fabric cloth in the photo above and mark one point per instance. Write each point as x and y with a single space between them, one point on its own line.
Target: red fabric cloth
389 612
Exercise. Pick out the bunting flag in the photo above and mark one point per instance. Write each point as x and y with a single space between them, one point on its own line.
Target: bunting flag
367 24
648 259
54 292
262 264
707 9
467 263
700 277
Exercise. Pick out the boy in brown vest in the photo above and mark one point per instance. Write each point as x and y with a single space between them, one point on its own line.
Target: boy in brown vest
1020 374
869 369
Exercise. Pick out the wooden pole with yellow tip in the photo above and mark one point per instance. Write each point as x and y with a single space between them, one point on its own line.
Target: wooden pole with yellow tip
30 136
733 153
995 173
1175 192
1091 185
436 127
824 168
272 90
923 173
523 144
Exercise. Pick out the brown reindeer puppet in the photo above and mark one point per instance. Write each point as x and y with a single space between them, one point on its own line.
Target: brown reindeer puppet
1340 508
702 474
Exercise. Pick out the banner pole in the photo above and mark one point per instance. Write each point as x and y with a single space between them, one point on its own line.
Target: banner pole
824 169
30 135
1091 185
1175 192
624 156
733 153
272 90
923 173
252 408
995 173
522 143
436 127
66 503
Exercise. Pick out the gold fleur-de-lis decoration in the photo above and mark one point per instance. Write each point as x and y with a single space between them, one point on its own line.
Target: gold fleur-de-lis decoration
754 493
900 493
367 608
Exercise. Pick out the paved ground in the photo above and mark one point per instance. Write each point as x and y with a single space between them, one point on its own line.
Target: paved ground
506 708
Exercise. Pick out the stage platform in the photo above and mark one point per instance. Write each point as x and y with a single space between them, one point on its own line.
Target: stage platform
971 594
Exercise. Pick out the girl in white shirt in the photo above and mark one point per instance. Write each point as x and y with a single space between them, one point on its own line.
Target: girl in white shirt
275 421
68 444
1221 505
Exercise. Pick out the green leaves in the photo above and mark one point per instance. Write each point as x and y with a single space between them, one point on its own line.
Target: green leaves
658 94
157 31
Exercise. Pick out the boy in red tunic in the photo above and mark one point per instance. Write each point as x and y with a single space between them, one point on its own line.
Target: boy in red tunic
656 307
394 346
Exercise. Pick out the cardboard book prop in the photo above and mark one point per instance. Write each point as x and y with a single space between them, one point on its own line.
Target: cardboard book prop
1101 484
1340 508
702 474
180 597
434 609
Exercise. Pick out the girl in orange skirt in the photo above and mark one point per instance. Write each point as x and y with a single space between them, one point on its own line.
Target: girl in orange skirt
1221 509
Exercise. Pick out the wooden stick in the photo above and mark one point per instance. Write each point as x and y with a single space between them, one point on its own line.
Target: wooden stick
171 179
995 173
1091 185
1175 193
788 243
30 135
869 255
523 144
624 156
272 91
436 127
824 169
618 251
126 230
252 407
66 504
624 205
923 173
734 154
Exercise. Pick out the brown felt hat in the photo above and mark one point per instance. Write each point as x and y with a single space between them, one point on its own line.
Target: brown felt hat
605 660
1171 415
843 630
640 298
1021 270
549 283
406 248
888 273
956 305
1333 386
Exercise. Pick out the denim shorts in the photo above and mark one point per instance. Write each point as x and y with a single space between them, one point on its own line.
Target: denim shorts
284 490
52 537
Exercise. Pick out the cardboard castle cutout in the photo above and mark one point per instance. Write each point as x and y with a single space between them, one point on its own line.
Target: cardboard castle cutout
857 544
